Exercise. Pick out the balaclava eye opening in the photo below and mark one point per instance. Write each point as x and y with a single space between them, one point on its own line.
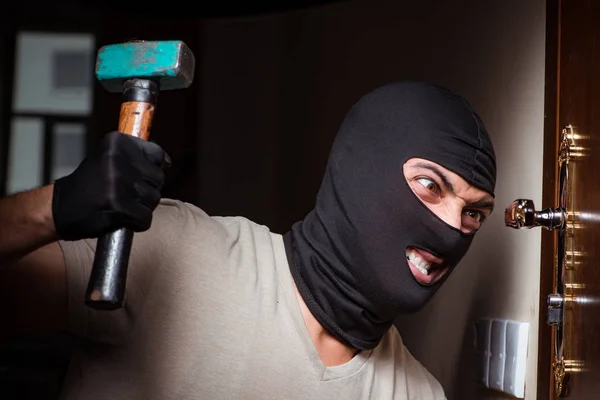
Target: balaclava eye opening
348 256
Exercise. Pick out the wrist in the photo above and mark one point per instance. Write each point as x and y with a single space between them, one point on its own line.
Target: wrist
26 222
40 211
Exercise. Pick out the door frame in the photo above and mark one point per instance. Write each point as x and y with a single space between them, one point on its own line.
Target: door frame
545 380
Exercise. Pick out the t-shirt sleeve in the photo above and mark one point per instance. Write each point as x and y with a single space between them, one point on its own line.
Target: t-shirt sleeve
151 250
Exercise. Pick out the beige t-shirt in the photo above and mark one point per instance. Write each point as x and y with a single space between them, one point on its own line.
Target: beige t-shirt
211 313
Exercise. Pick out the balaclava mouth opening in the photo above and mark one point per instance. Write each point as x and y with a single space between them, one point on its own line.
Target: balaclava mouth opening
348 256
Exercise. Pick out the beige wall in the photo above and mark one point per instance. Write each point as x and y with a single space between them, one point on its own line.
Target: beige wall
502 72
298 73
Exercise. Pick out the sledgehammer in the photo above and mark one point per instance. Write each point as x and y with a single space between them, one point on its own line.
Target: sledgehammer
138 70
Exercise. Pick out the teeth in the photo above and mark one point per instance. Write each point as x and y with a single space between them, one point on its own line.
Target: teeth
422 265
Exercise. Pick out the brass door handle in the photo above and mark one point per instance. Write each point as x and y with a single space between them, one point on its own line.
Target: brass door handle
521 214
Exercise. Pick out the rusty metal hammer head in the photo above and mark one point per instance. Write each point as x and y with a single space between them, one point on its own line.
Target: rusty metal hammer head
168 63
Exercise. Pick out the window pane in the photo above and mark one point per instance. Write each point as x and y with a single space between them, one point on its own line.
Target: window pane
68 148
26 154
54 73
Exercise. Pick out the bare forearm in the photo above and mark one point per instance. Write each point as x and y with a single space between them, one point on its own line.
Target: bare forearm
26 223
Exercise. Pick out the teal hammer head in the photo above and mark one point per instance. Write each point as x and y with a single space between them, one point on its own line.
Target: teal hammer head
169 63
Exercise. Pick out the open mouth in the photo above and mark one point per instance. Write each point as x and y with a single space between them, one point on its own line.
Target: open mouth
425 267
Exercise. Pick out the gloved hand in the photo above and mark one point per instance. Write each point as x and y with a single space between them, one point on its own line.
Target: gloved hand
116 186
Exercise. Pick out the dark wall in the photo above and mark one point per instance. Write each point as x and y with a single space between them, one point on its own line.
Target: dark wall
260 153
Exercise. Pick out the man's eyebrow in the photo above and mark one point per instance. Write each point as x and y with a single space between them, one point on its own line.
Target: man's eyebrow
486 203
483 204
439 173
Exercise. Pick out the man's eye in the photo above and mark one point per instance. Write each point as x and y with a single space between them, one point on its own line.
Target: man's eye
475 215
429 185
473 219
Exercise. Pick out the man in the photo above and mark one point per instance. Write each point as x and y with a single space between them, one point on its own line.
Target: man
222 308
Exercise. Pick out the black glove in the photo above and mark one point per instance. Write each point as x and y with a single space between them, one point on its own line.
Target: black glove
116 186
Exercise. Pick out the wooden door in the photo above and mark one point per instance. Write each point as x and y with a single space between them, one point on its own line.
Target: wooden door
569 338
578 111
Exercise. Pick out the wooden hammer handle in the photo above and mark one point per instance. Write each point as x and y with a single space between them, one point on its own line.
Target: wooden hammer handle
136 118
106 287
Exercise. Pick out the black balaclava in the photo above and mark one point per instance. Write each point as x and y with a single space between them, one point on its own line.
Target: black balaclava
348 256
